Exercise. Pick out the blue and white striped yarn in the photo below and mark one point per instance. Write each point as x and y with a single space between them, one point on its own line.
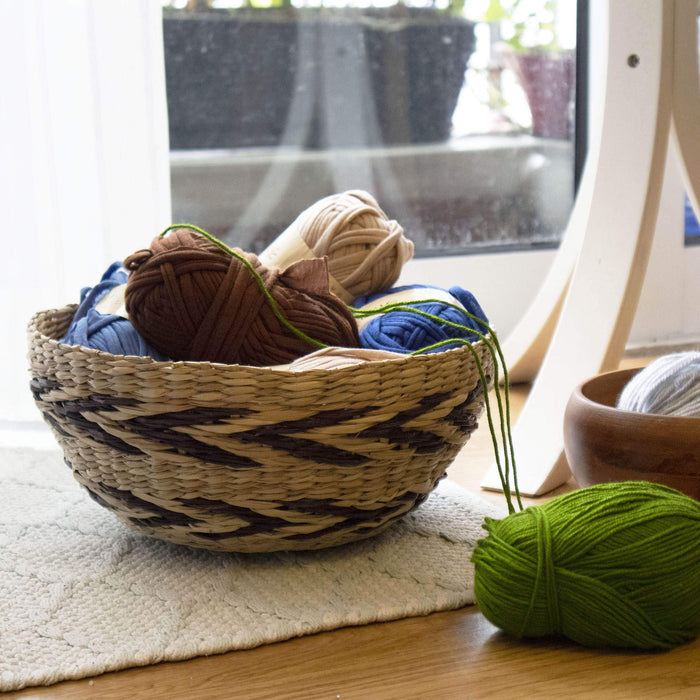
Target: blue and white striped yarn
669 386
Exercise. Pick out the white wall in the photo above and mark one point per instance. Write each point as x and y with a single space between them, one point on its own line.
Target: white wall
83 143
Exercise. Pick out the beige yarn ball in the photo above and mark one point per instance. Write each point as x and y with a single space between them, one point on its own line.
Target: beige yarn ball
365 249
335 358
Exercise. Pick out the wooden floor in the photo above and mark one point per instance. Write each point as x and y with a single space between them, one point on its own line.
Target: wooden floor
445 655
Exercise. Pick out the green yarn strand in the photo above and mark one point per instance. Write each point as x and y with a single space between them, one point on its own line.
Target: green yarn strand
494 349
506 469
273 304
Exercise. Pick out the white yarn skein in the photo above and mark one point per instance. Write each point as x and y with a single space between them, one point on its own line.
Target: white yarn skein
669 386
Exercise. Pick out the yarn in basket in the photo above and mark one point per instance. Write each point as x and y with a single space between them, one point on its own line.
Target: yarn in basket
193 298
443 315
365 249
668 386
336 358
109 332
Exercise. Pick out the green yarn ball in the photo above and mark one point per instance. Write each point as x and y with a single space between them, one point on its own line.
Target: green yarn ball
611 565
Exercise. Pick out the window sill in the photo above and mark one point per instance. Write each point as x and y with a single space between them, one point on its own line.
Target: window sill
492 190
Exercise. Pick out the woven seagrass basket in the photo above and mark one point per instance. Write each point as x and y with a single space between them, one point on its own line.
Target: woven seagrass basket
253 459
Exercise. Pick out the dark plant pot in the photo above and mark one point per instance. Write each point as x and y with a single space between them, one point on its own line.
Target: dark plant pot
548 80
265 79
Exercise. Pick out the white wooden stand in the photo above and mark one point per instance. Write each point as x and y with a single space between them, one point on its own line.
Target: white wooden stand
580 320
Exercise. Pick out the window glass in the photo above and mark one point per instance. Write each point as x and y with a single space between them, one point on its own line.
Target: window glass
457 115
692 227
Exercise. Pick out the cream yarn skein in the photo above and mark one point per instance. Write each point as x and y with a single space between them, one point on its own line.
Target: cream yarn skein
365 249
335 357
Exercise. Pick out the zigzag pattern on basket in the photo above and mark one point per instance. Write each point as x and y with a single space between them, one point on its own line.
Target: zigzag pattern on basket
252 522
161 428
249 459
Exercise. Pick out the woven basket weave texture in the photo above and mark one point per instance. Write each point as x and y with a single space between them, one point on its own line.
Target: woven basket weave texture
252 459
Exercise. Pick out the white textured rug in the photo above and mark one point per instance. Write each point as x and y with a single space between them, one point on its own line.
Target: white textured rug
81 594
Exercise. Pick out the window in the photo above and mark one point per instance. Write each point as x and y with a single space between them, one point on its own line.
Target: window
457 116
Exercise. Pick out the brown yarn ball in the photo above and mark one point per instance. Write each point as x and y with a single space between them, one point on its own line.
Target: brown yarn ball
194 301
365 249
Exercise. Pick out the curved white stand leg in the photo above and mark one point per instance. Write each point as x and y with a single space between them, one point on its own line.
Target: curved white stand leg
526 345
616 230
686 97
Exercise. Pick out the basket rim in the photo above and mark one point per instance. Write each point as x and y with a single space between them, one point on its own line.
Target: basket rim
147 361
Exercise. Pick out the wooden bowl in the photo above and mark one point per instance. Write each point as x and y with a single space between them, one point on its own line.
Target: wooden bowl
603 443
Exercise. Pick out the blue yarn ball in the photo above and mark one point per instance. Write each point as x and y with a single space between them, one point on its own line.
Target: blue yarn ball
406 331
692 226
108 332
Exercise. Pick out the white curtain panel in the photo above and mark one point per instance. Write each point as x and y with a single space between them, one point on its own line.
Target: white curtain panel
84 152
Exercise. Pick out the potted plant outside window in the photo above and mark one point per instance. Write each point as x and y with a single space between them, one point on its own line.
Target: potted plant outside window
545 70
313 77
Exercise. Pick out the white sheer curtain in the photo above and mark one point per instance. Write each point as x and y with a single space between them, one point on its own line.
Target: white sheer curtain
84 153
